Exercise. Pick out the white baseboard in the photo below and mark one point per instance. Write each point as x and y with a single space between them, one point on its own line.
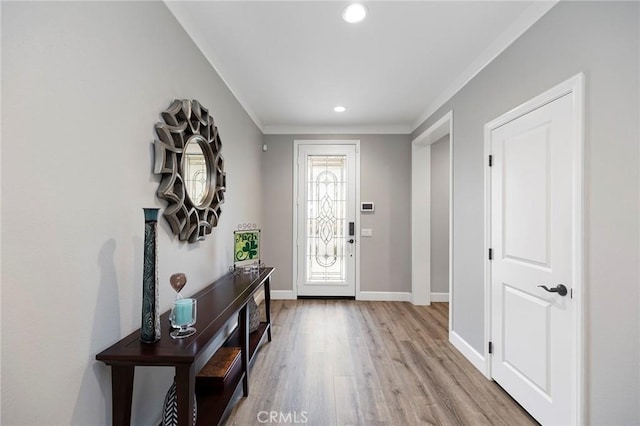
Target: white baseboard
468 351
384 296
440 297
283 295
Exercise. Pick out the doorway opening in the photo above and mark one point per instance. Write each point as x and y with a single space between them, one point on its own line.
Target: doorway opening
431 223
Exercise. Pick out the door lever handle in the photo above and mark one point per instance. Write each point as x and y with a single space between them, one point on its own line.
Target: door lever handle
561 289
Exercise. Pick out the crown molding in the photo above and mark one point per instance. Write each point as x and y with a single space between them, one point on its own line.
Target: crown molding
393 129
197 38
529 17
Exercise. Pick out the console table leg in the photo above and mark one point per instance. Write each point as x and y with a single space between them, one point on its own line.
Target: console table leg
185 393
244 347
121 393
267 304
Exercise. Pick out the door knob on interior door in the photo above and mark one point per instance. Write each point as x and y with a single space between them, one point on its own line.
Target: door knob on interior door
561 289
351 241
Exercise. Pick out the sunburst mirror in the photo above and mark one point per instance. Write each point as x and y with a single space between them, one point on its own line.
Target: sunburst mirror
187 155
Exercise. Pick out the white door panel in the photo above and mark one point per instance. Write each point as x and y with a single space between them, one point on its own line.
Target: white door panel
525 195
525 347
531 236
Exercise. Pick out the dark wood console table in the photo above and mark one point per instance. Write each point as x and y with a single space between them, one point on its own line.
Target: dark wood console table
217 303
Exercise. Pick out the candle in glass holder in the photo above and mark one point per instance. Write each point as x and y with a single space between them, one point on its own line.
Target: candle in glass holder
183 316
183 312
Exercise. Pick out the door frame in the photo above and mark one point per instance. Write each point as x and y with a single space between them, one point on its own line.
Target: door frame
575 87
356 249
421 212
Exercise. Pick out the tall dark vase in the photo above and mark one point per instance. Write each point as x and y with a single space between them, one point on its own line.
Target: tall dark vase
150 330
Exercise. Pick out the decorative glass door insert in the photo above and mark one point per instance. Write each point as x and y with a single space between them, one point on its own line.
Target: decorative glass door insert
326 218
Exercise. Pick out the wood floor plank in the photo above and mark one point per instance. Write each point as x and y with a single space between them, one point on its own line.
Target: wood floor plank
338 362
348 409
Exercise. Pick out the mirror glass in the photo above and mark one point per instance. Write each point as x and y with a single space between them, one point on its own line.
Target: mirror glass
194 170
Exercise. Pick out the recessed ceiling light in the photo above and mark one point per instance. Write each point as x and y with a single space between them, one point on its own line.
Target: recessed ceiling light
339 109
353 13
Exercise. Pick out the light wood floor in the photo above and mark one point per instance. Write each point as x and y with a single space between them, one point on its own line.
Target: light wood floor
339 362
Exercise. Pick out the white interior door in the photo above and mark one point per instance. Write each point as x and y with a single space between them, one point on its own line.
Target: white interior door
533 211
326 220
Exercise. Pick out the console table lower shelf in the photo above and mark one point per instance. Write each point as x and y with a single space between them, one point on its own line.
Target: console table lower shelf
217 304
215 389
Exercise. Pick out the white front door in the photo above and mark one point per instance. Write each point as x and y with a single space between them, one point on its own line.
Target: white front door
326 215
533 215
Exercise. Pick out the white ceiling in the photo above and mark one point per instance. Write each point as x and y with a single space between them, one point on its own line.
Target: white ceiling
290 62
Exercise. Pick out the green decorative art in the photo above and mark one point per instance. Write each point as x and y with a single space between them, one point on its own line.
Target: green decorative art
247 246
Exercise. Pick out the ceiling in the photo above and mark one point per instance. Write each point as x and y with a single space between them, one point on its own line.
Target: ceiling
290 62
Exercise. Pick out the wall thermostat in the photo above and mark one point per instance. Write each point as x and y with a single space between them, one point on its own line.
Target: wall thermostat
367 206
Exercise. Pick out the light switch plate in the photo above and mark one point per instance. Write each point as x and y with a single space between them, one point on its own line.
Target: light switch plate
366 232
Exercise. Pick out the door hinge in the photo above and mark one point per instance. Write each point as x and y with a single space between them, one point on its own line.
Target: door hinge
490 347
491 161
490 254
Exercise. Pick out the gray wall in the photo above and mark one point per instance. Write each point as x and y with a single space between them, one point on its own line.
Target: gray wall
440 215
83 84
600 39
385 178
